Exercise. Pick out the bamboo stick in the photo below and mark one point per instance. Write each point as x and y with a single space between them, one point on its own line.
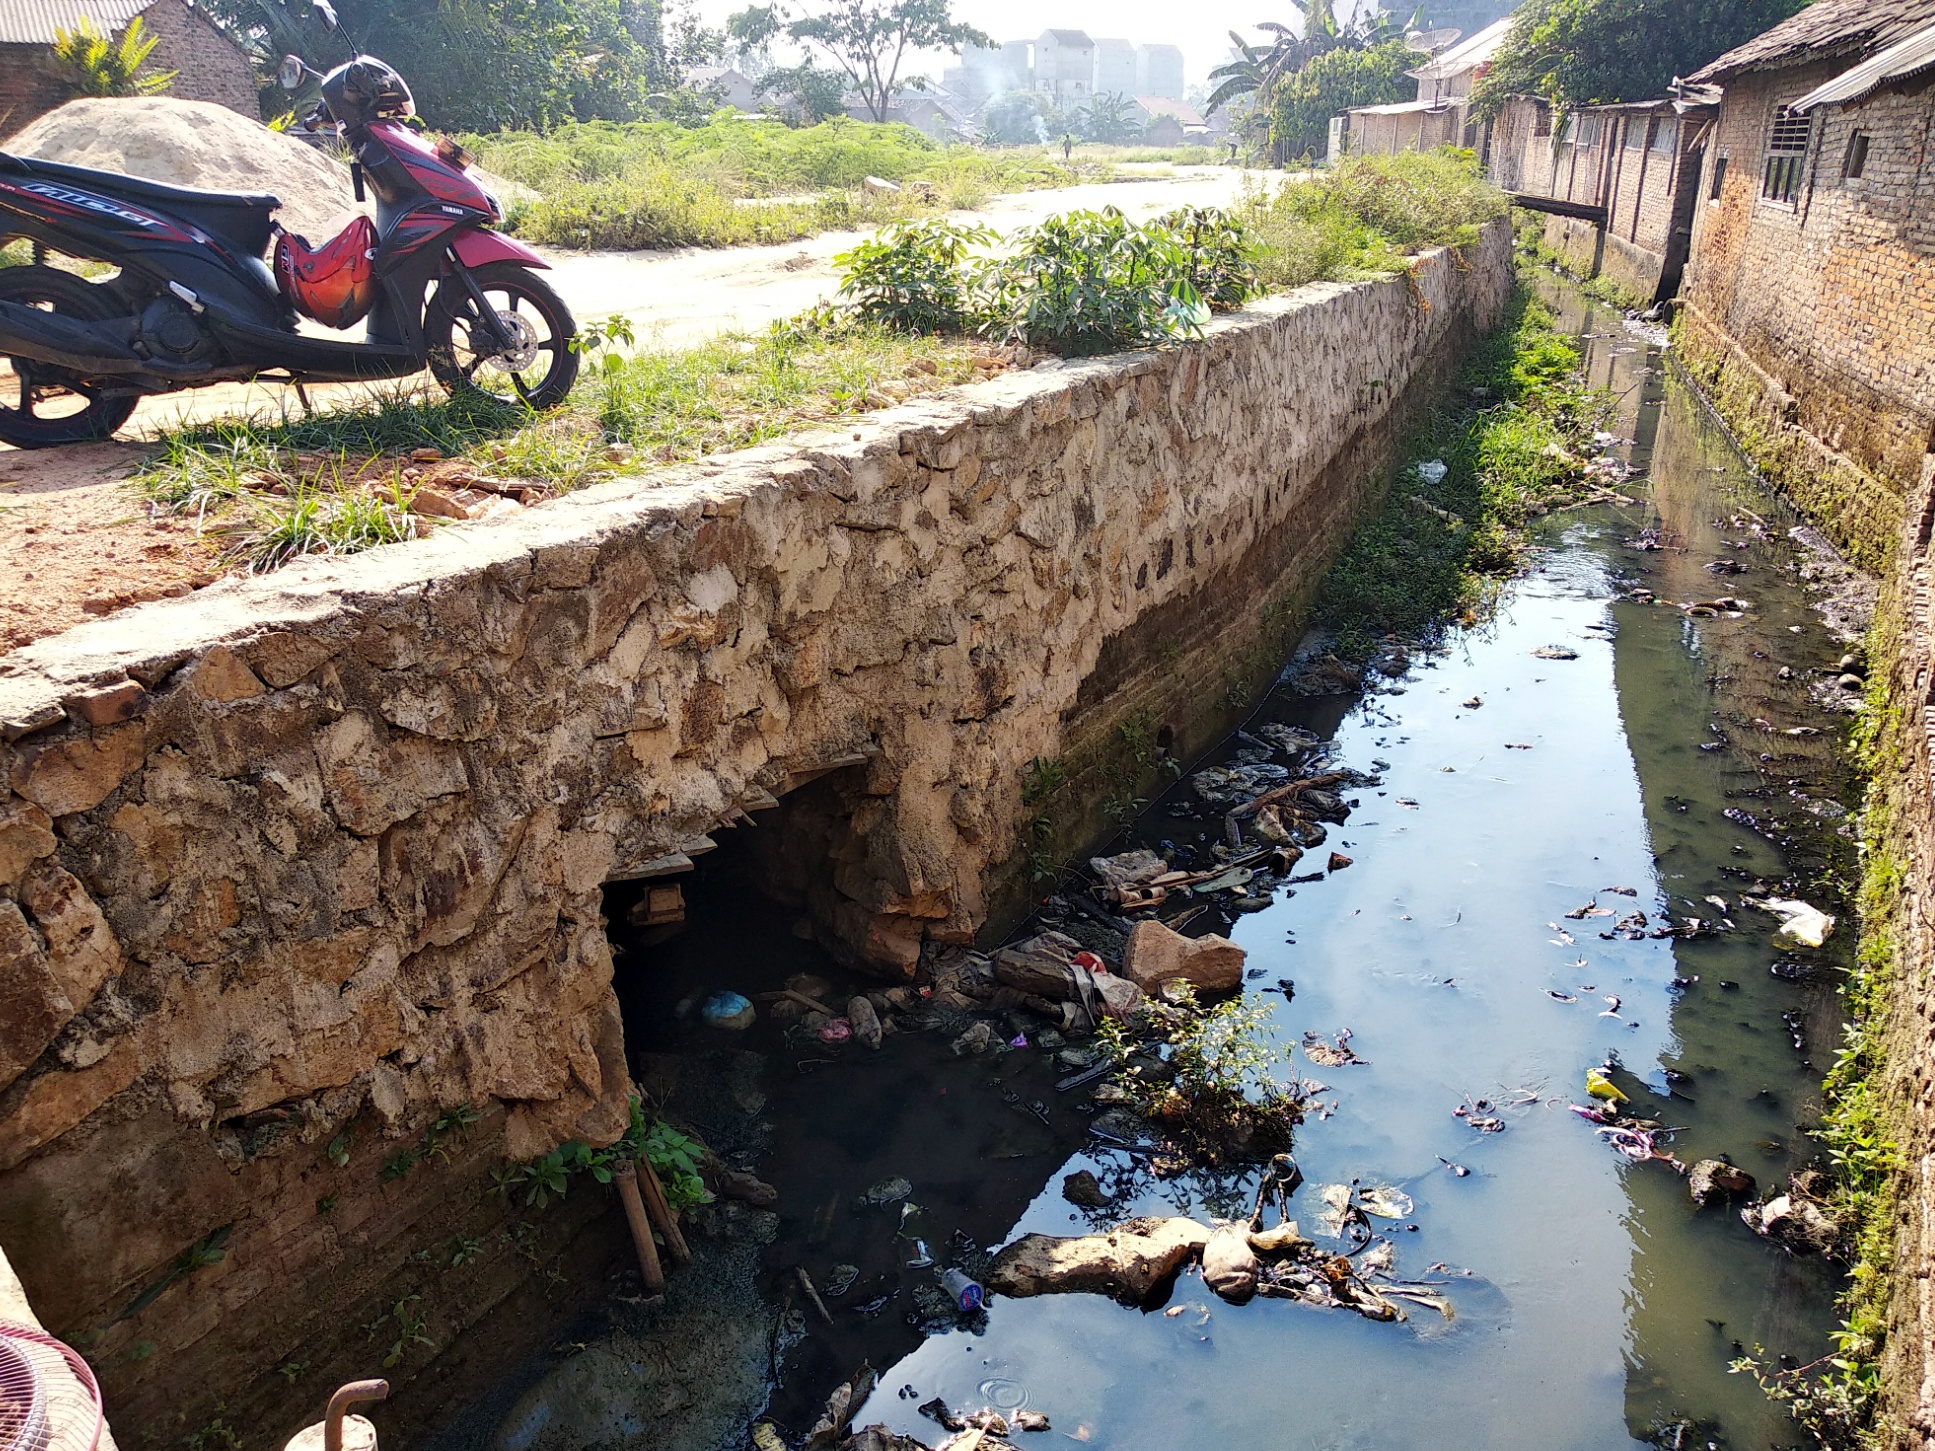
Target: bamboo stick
661 1212
625 1176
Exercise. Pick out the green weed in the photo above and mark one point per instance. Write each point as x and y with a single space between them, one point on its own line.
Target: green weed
1365 216
1513 435
1041 778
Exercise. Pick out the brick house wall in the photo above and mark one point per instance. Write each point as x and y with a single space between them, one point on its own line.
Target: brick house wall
27 89
1816 319
210 67
1631 162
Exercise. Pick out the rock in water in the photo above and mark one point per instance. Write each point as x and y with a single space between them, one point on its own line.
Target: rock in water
1281 1241
1793 1221
1712 1179
866 1022
1084 1190
1156 955
1229 1265
1133 1263
974 1040
1039 965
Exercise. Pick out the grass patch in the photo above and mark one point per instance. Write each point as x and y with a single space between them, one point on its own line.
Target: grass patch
1515 436
345 479
1365 216
734 182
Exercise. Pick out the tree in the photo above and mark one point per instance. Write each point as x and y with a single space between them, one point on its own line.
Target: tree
1259 70
815 93
1597 52
480 64
93 64
1016 118
1111 119
1301 108
869 40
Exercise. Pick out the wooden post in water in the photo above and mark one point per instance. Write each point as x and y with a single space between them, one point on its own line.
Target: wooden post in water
625 1176
661 1210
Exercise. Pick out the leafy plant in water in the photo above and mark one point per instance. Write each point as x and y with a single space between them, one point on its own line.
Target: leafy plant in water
1218 1096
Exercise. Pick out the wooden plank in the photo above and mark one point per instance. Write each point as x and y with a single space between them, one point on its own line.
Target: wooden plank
658 866
1558 207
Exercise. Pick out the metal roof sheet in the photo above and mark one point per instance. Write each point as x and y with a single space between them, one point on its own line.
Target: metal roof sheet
1476 50
33 22
1897 63
1825 30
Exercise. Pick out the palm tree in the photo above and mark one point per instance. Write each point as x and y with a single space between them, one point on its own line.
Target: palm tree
1259 68
1110 122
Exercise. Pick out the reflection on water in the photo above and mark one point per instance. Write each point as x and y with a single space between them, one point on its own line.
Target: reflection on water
1596 1307
1601 1308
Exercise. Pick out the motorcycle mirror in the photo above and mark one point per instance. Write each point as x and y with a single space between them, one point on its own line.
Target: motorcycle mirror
328 13
288 75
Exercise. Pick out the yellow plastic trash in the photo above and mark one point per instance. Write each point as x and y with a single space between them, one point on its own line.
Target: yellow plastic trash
1602 1087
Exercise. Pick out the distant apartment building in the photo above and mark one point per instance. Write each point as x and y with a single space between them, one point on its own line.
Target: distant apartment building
1115 68
1065 67
1159 71
1070 66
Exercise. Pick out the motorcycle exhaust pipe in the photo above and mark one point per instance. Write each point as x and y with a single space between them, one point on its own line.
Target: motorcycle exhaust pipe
47 337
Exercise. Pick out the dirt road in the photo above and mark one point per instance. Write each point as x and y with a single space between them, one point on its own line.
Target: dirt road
75 542
687 296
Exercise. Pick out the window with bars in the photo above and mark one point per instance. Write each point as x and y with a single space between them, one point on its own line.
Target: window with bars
1786 154
1666 136
1582 131
1541 122
1635 132
1719 177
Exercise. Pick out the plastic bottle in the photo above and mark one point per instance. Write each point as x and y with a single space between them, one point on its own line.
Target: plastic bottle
968 1295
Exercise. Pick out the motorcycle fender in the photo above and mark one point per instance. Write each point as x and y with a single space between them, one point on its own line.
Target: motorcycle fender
474 249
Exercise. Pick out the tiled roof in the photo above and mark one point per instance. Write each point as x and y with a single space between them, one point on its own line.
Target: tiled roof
1164 106
1911 57
1825 30
33 22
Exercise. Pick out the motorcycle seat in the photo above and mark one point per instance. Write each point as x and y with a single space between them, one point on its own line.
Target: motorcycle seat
241 218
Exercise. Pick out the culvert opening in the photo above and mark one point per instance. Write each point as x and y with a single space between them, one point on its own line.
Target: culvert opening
891 1165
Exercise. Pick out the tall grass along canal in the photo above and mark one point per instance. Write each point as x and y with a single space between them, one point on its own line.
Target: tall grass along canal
1525 975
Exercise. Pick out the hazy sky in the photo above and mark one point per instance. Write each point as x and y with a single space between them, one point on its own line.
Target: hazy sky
1200 27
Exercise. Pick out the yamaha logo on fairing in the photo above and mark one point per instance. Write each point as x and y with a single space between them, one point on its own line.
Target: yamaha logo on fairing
92 203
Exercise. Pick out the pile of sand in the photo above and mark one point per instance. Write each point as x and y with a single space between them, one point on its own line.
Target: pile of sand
195 143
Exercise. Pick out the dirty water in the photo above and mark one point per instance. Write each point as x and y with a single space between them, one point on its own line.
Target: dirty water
1595 1306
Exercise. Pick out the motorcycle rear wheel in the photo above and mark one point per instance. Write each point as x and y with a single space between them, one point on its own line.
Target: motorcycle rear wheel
540 370
41 405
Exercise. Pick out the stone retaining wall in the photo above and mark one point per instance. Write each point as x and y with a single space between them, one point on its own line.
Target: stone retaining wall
296 865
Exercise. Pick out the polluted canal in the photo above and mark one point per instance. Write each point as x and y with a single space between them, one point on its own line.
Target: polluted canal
1520 987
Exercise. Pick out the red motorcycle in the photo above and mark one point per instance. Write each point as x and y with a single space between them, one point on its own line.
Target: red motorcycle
208 287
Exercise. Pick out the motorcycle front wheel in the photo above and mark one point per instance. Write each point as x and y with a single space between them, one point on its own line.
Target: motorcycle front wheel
42 405
537 369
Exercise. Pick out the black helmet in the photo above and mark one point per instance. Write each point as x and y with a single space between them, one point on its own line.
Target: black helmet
364 89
